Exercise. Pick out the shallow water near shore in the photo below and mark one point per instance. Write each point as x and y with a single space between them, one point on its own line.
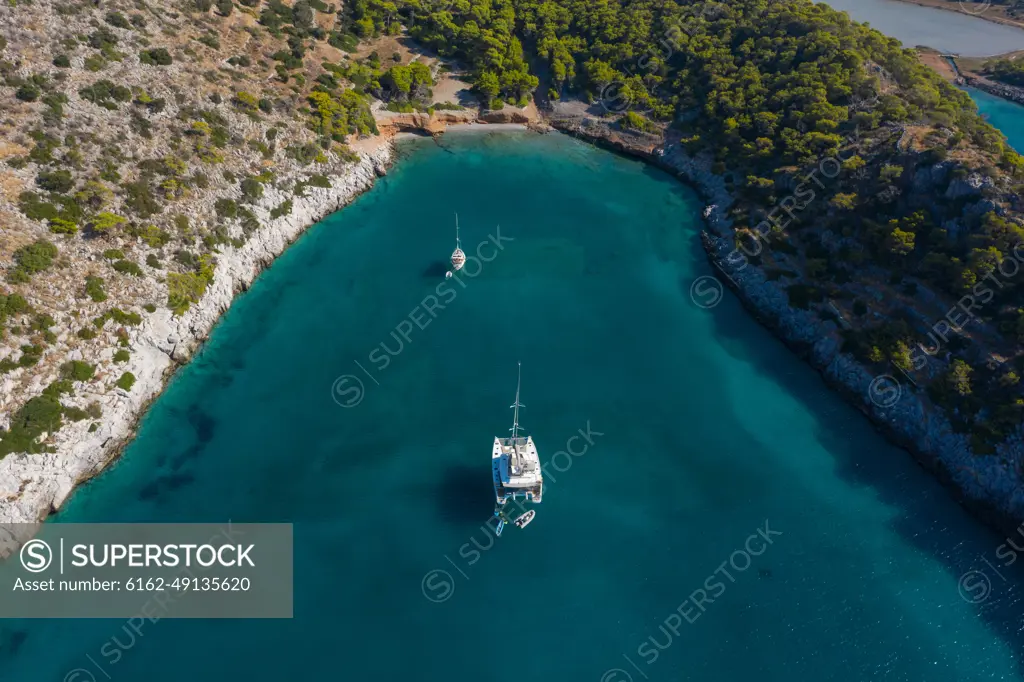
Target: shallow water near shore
704 430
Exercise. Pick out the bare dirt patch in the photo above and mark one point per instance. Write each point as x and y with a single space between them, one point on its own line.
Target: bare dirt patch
387 46
452 89
937 63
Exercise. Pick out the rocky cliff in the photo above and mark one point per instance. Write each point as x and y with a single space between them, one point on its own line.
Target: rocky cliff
33 485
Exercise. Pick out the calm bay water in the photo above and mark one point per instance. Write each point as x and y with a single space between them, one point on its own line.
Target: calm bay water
944 30
1003 114
706 430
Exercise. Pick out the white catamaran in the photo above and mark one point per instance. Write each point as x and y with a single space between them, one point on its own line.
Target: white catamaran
515 468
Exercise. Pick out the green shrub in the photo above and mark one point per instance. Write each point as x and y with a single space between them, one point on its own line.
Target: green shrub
251 188
152 261
63 226
35 257
226 208
139 197
246 101
121 317
186 258
75 414
122 355
94 288
62 61
95 62
284 208
156 57
210 40
105 94
30 355
59 388
126 381
186 288
27 93
87 333
55 181
113 254
39 415
34 208
152 235
117 19
76 370
128 267
105 222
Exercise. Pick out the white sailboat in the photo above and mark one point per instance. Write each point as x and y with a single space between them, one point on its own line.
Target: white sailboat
515 468
458 256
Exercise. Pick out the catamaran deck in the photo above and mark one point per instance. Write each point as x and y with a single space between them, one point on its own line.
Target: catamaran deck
515 468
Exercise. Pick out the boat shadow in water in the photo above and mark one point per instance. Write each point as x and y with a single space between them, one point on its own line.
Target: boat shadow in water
436 270
927 517
464 496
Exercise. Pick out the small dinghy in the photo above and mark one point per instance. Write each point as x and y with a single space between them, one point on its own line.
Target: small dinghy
524 520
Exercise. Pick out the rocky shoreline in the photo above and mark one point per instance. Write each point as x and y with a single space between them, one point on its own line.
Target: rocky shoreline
1007 92
984 484
34 486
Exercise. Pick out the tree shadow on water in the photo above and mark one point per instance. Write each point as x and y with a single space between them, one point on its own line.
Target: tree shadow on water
928 515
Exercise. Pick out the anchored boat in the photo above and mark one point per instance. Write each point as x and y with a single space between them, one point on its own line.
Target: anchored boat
458 256
515 468
525 519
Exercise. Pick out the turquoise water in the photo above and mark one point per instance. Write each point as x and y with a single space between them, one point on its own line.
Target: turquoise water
709 429
1003 114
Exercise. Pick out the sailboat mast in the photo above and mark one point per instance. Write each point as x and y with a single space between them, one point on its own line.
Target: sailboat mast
458 244
517 405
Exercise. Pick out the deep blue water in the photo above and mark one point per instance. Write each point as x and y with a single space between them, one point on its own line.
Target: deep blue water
710 429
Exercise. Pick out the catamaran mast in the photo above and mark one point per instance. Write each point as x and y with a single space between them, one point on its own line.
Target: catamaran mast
515 419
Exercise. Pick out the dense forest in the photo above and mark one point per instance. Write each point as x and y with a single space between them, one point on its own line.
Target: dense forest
770 89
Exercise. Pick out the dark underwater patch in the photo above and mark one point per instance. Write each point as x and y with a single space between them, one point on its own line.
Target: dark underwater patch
464 496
